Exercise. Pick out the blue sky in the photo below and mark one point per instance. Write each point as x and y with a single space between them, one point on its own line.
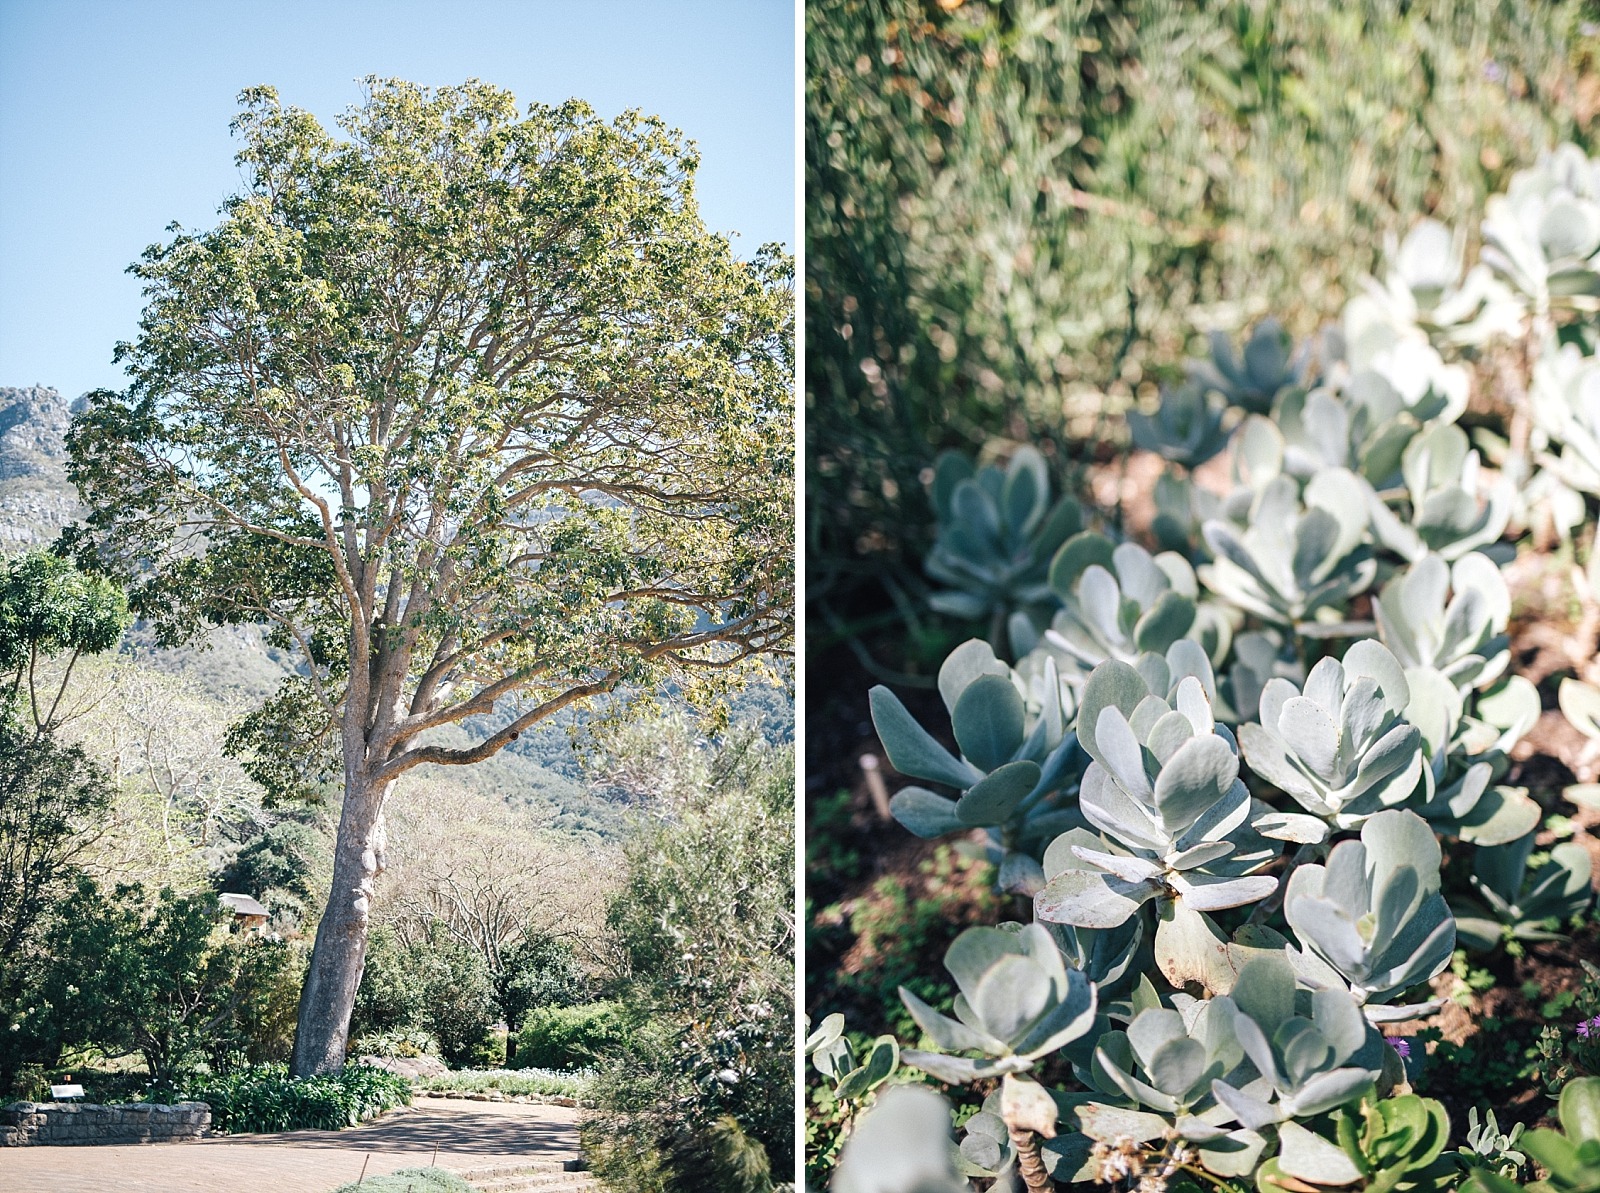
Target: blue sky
114 122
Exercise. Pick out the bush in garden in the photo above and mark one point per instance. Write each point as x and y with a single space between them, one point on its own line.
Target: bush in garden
389 1002
541 1082
538 971
700 1096
266 1098
571 1037
266 1000
154 975
435 986
1232 826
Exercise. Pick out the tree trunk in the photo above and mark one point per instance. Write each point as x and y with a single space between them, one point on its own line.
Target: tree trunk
340 953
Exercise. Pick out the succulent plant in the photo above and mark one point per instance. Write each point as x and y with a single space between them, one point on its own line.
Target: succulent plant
1463 638
1516 901
835 1059
1488 1148
1372 919
1164 1064
1250 380
1465 741
1389 1146
1294 559
1541 235
1306 1060
1447 515
1011 756
1117 602
826 1046
1166 1060
986 1147
1425 296
1018 1002
997 533
1186 427
901 1145
1341 748
1570 1156
1565 397
1164 790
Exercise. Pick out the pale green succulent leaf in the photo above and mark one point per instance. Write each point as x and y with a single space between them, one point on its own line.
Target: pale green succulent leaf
924 813
911 749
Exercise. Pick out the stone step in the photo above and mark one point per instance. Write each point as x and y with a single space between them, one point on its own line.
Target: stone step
552 1175
519 1168
549 1182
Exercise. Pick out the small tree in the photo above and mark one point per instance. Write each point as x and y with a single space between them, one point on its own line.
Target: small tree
51 794
136 974
477 414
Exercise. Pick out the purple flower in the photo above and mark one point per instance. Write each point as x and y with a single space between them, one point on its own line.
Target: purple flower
1583 1029
1493 71
1401 1045
1588 1027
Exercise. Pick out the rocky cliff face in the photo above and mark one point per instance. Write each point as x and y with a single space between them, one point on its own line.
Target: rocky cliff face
36 499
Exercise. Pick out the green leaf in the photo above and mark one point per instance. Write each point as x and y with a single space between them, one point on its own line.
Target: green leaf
1113 684
1076 555
924 813
1091 899
1312 1158
988 722
881 1061
1107 1123
910 747
994 798
1169 619
1579 1109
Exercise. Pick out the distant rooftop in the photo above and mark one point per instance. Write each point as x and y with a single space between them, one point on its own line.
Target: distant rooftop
243 905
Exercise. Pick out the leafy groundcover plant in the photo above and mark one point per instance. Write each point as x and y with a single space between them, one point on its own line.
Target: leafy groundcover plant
511 1082
1222 779
266 1098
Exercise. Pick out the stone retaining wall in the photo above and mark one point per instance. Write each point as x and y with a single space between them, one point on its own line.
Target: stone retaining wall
25 1123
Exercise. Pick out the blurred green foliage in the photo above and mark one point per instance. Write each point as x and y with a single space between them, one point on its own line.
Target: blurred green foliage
1015 209
571 1037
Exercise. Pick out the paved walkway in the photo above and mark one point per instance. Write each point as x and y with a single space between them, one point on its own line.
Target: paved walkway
467 1134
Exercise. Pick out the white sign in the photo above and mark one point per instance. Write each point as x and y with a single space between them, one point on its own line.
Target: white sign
66 1091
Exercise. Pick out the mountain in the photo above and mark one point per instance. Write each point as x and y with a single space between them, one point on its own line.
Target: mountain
36 499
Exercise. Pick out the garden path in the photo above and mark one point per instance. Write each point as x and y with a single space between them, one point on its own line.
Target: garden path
471 1137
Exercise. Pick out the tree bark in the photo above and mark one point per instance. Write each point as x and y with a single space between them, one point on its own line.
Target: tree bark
340 954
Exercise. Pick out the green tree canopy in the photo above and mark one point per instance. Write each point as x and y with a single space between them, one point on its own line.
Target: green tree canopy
474 410
48 608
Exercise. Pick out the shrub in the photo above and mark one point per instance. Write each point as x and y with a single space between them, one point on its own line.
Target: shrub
572 1037
266 1098
435 985
700 1100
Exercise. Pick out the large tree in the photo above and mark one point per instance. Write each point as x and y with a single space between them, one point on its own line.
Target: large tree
471 407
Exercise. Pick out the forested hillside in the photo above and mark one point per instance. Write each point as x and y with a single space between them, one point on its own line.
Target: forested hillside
233 668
